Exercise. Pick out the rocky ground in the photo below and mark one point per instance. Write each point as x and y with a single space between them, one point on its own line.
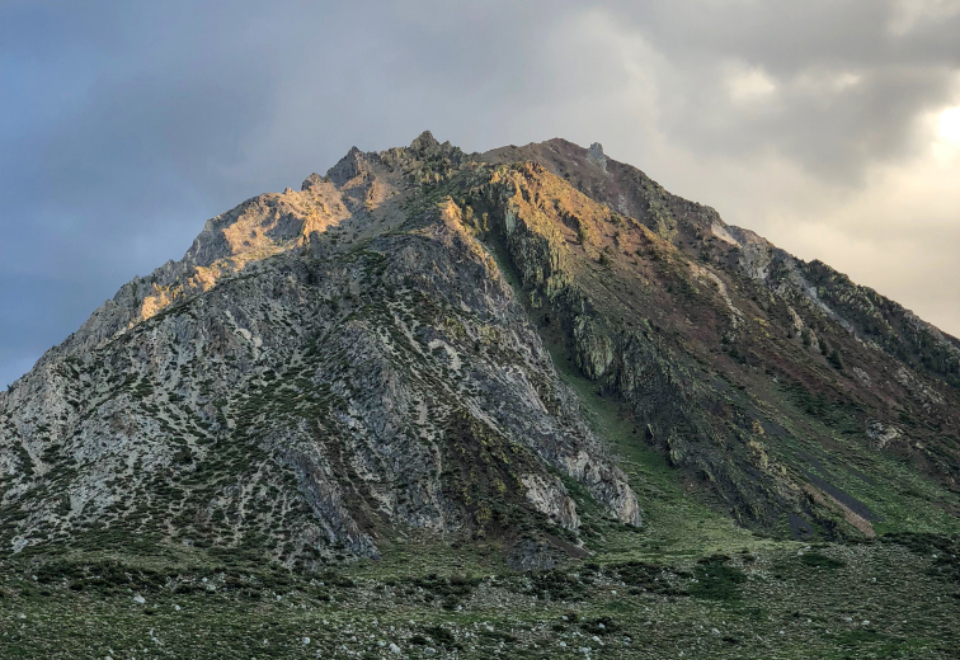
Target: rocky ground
892 599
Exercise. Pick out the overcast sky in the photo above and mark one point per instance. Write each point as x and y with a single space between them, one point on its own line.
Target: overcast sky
832 127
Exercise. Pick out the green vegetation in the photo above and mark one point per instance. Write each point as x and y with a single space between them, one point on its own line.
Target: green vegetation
819 560
883 600
676 523
715 580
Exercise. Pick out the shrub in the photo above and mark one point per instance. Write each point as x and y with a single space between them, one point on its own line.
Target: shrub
716 580
834 360
556 585
603 625
818 560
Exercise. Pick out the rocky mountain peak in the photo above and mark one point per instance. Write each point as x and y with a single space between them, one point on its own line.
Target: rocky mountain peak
595 154
352 165
426 150
465 366
424 144
311 181
390 350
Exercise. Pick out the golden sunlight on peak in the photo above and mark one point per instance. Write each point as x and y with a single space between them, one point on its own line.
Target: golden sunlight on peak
949 127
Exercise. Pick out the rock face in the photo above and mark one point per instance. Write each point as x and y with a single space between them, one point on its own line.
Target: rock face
743 364
367 357
321 366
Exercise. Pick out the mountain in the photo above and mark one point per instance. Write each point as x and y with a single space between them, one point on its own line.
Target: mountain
528 356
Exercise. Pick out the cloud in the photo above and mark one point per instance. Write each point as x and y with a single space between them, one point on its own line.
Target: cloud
826 84
749 86
907 15
820 124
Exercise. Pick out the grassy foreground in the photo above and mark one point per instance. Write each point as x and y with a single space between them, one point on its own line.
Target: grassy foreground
880 600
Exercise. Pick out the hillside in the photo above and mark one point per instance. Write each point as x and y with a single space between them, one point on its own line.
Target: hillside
524 402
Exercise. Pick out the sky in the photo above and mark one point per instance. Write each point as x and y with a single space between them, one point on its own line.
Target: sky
831 127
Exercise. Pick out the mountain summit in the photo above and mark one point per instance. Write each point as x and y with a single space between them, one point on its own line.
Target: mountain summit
404 347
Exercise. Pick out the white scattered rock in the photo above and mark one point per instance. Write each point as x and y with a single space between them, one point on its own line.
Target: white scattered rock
306 641
139 600
394 649
880 434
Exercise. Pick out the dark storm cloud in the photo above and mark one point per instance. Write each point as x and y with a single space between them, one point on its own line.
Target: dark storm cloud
111 132
806 50
123 126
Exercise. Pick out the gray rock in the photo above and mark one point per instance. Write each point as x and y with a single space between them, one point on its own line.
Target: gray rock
280 373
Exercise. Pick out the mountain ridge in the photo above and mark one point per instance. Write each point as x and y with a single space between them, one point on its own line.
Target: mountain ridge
550 154
728 355
524 403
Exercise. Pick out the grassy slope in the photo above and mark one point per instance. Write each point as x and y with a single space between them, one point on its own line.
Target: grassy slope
677 525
